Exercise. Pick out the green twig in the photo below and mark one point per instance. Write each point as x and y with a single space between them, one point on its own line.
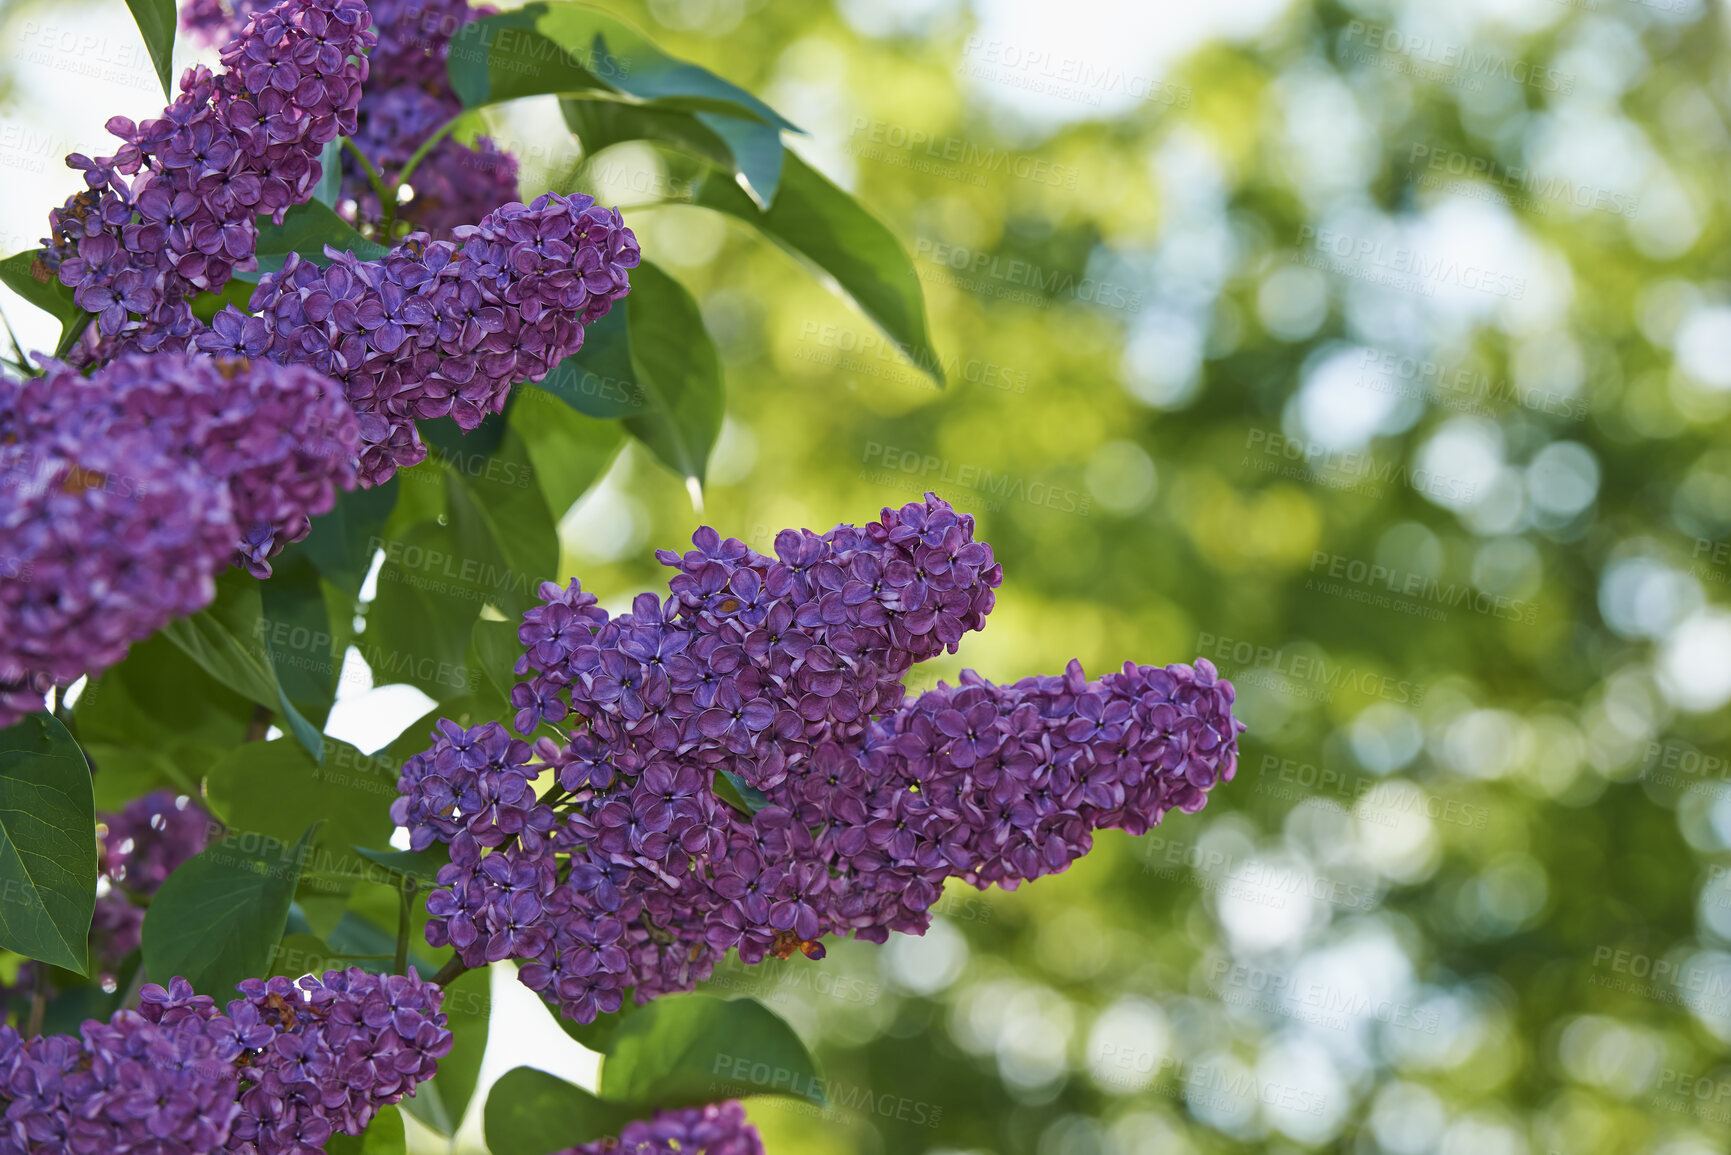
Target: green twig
38 1007
404 918
396 190
23 357
427 145
259 725
367 167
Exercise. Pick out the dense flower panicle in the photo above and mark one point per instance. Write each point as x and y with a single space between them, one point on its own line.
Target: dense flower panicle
134 1083
408 98
782 676
99 548
323 1055
124 493
289 1065
443 328
173 212
716 1129
282 438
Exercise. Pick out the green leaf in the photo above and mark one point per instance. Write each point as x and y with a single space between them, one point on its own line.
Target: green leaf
230 640
602 122
821 224
738 793
343 541
757 154
661 360
694 1049
468 1006
420 867
745 147
301 954
25 274
679 370
156 21
156 720
383 1136
418 626
567 48
298 632
599 379
47 844
218 918
236 292
569 451
276 790
502 525
530 1112
597 1035
497 650
306 229
429 1110
330 184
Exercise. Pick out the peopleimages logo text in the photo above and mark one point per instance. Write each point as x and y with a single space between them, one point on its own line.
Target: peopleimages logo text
1418 587
1363 252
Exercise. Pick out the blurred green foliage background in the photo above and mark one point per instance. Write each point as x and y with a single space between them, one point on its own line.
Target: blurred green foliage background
1379 352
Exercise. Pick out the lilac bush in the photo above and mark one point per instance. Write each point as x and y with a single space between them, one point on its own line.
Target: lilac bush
782 676
737 766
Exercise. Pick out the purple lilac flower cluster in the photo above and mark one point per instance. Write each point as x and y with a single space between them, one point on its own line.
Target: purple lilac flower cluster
441 328
717 1129
281 437
173 212
329 1053
288 1066
125 493
408 99
144 1080
783 674
98 549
